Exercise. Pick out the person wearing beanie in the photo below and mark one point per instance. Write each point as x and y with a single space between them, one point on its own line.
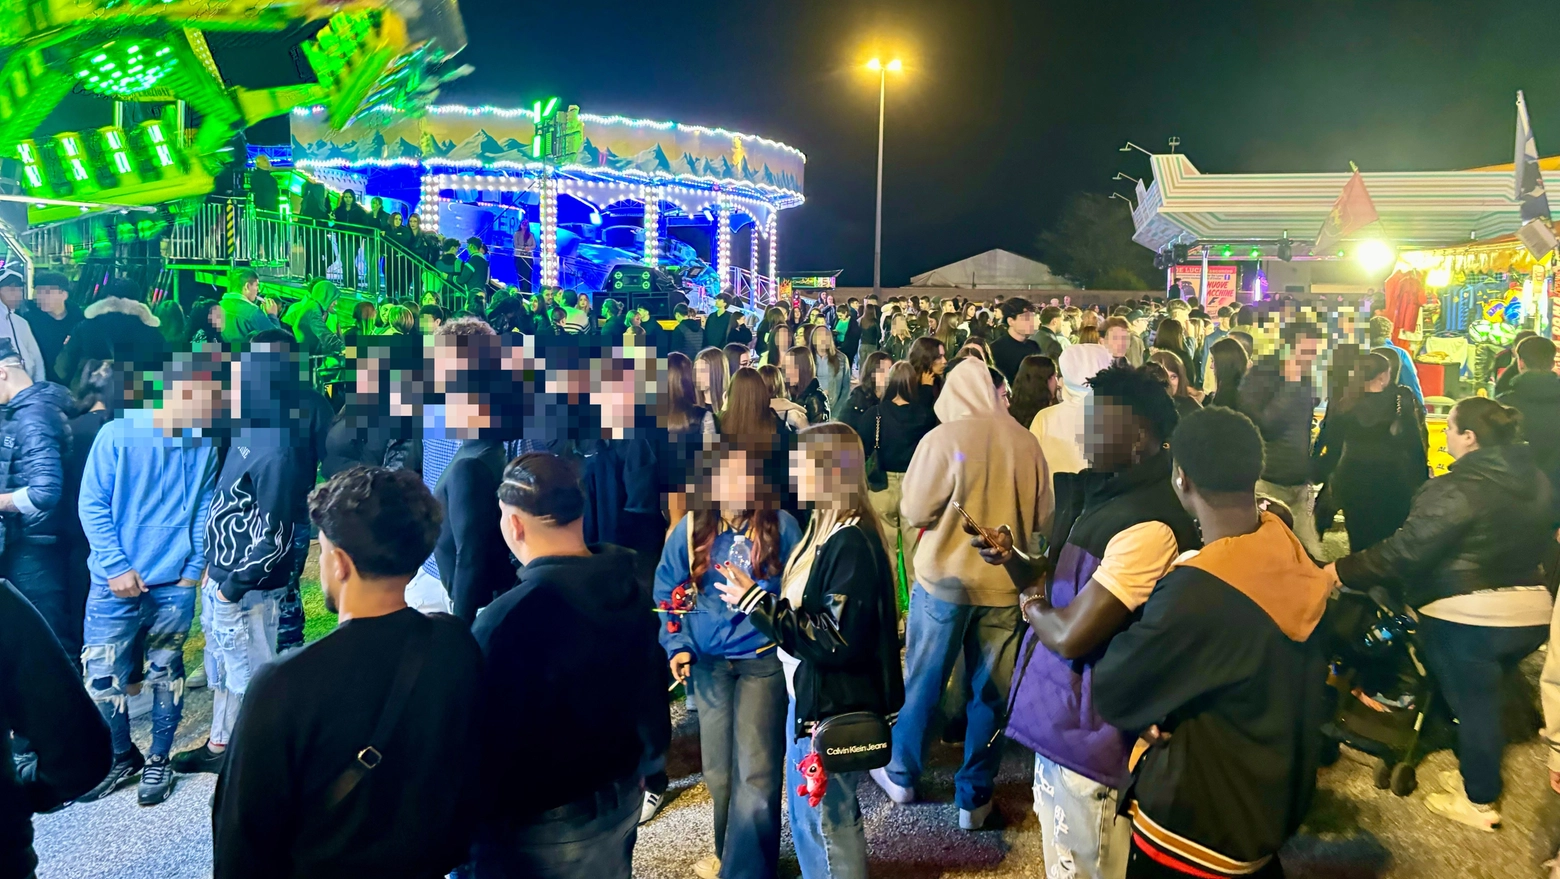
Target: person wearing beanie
1060 428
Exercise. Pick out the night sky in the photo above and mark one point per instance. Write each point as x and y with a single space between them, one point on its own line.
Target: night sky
1005 109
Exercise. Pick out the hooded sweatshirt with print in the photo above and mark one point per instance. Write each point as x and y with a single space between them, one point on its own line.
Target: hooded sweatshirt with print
983 459
1229 660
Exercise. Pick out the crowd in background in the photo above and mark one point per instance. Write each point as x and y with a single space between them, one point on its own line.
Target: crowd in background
540 515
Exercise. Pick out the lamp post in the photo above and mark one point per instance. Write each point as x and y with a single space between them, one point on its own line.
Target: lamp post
882 71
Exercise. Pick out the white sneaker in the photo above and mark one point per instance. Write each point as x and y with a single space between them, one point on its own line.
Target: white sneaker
974 819
898 793
708 867
1458 808
1451 781
652 805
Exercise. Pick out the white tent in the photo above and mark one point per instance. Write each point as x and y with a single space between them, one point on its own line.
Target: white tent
995 269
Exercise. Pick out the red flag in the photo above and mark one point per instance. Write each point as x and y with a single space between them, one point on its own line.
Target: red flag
1353 210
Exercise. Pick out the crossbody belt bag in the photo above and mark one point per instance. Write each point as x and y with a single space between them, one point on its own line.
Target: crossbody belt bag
856 741
412 656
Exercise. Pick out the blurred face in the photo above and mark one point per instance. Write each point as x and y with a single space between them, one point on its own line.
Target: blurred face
793 373
1305 352
783 338
818 476
427 323
51 300
701 379
191 405
734 488
11 296
880 377
218 319
466 413
1111 434
1117 341
1024 324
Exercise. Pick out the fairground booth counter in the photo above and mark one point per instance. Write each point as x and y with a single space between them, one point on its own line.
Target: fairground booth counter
1441 258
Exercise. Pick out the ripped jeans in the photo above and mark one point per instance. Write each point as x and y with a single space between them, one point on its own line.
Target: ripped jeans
113 627
1082 835
240 637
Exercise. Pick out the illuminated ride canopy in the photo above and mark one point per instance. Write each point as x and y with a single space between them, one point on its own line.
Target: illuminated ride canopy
371 55
593 193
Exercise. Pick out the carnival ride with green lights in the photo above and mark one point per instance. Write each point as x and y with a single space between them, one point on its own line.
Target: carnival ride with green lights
370 56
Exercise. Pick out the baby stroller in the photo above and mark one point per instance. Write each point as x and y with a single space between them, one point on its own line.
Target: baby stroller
1387 704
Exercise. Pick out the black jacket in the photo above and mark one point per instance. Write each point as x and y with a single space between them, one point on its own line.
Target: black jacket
903 427
473 559
1373 459
859 415
51 333
350 443
812 399
34 445
1485 524
1282 410
41 698
575 684
688 337
1537 396
116 331
1243 704
717 327
846 631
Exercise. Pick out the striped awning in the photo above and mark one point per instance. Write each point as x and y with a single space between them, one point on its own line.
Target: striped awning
1417 208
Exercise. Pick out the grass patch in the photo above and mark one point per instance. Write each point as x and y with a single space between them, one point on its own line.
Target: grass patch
317 623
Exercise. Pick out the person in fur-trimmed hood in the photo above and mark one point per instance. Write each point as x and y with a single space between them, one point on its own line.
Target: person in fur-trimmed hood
118 327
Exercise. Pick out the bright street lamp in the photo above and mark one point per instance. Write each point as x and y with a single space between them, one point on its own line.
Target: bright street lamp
876 65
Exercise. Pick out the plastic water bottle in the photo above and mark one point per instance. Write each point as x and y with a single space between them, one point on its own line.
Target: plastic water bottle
740 556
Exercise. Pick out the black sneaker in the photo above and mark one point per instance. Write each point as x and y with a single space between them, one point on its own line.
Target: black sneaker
124 769
199 759
156 782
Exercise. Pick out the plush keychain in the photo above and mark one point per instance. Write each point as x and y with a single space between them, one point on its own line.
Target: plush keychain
681 603
815 780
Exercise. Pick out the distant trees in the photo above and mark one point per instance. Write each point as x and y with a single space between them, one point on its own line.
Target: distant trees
1091 243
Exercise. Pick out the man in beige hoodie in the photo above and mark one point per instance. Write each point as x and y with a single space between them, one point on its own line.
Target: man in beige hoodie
987 462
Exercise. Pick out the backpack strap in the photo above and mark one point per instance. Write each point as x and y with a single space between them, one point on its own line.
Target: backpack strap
412 657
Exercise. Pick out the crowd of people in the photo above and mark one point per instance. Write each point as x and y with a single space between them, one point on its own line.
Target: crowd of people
842 534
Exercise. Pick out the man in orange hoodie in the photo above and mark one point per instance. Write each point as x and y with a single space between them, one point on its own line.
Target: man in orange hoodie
1224 676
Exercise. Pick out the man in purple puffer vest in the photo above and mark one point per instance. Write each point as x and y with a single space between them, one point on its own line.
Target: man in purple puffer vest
1118 528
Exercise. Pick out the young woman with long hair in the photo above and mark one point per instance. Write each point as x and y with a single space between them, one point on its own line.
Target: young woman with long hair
1370 453
836 622
1230 363
1034 388
802 384
871 333
364 322
976 346
780 341
929 358
874 378
685 429
831 366
711 373
1182 388
793 414
902 417
948 332
897 341
738 683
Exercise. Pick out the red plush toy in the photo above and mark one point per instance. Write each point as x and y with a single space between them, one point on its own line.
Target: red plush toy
816 780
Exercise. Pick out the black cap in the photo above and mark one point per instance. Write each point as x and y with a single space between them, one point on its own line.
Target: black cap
8 350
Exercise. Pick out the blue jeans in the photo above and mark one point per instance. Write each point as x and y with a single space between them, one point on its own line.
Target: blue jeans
240 637
289 627
1083 837
590 839
112 624
742 736
1471 663
936 635
830 840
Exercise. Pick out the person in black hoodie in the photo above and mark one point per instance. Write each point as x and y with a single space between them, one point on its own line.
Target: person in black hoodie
836 622
575 643
42 701
1470 562
117 327
1279 398
1535 392
34 444
264 482
1370 451
1224 676
717 326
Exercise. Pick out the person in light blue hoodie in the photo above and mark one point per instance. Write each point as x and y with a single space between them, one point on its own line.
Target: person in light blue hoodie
738 682
145 495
